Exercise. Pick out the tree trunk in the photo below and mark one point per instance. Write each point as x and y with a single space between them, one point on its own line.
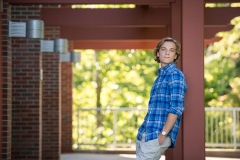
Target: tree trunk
98 91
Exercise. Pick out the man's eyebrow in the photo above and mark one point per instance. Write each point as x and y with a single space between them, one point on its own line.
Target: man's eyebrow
165 47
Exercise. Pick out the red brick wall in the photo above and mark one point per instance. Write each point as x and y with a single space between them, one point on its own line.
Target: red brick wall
6 85
51 107
26 90
31 121
51 137
67 85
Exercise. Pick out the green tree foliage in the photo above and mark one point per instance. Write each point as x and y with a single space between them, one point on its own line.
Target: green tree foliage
222 69
125 78
222 83
111 79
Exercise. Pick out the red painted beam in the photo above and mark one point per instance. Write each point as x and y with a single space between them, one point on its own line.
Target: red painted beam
136 44
210 31
89 1
220 16
211 40
137 17
107 1
116 33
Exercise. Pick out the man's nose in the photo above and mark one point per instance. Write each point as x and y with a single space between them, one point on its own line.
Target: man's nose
167 51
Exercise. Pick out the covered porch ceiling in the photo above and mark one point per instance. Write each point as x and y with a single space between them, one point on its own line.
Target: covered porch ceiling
133 28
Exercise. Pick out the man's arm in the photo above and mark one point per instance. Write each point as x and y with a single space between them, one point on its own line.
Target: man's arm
177 92
171 119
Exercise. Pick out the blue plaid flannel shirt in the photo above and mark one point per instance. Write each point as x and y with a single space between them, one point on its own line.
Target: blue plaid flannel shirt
167 96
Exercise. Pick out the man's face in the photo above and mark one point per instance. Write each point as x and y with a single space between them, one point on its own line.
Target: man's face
167 53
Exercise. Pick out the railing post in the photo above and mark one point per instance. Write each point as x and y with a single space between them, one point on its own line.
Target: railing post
114 128
234 128
212 141
78 126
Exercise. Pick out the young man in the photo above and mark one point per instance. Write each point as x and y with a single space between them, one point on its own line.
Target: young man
166 104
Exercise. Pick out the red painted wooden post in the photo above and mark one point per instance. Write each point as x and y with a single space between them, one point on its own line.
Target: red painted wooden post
193 67
176 33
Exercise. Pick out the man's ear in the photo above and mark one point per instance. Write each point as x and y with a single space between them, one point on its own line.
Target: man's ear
176 56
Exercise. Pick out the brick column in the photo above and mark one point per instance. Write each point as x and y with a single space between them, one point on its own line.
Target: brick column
67 84
26 90
51 137
67 81
6 85
67 100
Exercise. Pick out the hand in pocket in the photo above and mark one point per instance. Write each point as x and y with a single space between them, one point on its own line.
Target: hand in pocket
161 139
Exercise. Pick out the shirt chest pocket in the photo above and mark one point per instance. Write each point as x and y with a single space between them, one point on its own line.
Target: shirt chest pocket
163 88
160 89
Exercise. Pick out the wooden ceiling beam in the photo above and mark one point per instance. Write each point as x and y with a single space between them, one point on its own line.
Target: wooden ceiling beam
210 31
117 33
138 2
211 40
134 44
93 33
220 16
137 17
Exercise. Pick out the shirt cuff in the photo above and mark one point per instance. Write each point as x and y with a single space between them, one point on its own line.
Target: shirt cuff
175 111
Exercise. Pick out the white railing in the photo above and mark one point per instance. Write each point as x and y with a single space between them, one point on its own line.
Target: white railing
117 128
222 127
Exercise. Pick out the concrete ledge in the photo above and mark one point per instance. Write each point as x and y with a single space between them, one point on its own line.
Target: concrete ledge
118 151
224 153
227 153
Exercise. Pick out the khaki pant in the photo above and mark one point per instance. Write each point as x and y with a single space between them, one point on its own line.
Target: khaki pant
151 150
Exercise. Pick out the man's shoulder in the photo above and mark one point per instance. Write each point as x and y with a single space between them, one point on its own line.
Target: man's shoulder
176 71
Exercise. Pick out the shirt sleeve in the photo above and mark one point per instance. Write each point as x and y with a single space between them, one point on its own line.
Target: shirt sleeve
178 88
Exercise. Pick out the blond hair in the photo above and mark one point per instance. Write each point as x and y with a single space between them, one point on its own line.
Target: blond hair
160 43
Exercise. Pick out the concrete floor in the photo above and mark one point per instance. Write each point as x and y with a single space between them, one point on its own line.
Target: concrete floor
92 156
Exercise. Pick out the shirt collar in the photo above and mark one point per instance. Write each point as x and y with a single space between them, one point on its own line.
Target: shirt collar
165 68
